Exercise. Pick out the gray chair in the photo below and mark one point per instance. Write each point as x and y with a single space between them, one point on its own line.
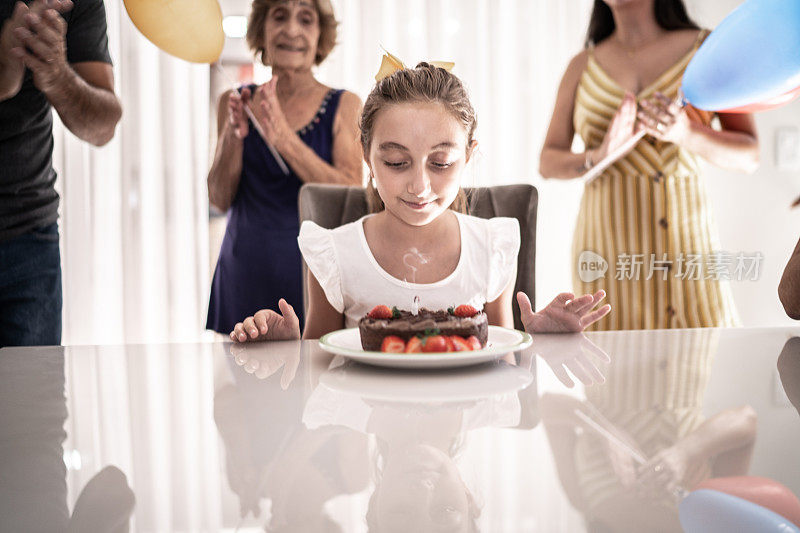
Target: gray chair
331 206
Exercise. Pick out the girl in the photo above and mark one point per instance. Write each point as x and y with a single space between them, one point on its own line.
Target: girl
417 131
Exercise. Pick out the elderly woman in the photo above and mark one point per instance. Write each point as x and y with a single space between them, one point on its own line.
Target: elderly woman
314 129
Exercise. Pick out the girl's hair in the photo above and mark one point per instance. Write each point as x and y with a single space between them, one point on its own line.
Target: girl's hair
258 18
424 83
670 15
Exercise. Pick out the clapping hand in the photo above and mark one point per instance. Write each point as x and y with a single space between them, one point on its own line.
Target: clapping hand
40 44
622 135
565 314
267 325
666 470
236 112
664 119
276 128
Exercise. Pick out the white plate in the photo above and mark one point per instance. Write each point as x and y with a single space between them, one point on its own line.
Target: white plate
466 384
501 341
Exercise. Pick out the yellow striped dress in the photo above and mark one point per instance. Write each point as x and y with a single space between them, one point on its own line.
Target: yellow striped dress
649 209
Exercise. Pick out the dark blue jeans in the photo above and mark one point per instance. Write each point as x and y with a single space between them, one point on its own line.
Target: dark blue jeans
30 289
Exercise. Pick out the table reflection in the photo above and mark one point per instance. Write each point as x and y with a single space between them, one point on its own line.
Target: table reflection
285 437
627 453
420 423
269 453
397 435
33 487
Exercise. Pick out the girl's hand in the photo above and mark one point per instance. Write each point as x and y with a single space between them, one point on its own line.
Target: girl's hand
565 314
264 363
621 135
664 119
236 113
267 325
579 355
276 128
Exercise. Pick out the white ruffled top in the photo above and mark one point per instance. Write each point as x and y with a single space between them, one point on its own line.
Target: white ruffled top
354 282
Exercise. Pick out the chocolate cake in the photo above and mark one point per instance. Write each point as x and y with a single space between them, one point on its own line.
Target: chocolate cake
405 325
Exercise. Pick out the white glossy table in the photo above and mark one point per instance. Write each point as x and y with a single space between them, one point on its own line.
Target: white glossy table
283 436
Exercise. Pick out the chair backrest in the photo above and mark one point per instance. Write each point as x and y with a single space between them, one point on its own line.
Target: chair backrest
331 206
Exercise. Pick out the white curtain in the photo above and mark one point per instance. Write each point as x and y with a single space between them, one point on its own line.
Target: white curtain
134 226
134 214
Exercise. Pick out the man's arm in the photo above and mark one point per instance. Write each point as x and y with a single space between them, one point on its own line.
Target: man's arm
82 93
86 102
789 288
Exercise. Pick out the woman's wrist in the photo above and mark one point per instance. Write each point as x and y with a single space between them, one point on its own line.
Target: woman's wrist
287 144
589 159
229 135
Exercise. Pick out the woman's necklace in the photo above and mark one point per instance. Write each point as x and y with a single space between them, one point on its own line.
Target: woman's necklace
631 51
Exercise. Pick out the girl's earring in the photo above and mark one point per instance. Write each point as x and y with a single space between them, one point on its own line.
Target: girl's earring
372 181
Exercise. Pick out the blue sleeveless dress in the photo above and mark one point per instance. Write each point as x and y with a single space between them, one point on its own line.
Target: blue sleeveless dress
259 262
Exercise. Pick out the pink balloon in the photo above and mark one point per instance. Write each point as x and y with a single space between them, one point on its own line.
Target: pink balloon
770 103
765 492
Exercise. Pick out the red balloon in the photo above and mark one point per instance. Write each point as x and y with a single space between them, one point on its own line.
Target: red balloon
765 492
769 103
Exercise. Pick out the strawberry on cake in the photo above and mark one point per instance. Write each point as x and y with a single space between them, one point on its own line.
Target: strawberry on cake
461 328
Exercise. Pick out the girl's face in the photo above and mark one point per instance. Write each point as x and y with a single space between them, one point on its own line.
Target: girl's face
417 154
291 34
421 490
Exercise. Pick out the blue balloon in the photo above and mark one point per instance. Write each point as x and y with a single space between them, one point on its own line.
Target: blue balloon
752 56
712 511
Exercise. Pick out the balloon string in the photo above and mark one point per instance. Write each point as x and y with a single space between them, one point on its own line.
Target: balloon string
249 112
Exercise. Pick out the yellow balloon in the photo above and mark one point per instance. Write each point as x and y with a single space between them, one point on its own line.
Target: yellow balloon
188 29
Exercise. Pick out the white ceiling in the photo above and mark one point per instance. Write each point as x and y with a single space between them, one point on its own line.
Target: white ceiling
235 50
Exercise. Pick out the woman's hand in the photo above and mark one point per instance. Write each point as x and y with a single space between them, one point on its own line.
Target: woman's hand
666 470
565 314
267 325
621 136
622 463
236 113
664 119
276 128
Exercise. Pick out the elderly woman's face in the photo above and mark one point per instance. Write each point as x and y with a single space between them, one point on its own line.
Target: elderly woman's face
291 34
